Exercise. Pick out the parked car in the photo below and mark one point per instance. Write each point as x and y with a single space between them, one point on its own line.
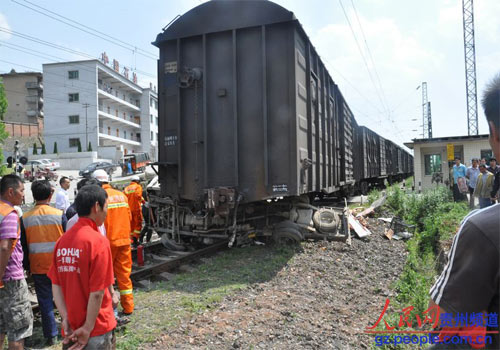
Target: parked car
45 164
50 164
89 169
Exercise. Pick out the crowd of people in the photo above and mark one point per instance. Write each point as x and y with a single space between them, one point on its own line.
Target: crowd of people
74 253
481 180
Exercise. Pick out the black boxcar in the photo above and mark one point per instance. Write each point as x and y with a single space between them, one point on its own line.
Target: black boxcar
246 102
251 125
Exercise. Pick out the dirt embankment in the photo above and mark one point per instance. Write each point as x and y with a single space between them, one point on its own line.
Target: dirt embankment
322 299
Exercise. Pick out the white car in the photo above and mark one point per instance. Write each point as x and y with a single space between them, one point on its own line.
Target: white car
43 164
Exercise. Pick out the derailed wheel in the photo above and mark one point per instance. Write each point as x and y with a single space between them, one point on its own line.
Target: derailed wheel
287 236
325 220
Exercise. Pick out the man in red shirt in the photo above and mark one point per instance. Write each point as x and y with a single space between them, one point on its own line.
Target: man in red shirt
82 273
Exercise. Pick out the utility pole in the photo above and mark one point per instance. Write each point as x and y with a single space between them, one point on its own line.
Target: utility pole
426 114
470 66
86 106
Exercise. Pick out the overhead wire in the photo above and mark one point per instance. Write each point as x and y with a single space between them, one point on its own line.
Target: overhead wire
88 30
59 47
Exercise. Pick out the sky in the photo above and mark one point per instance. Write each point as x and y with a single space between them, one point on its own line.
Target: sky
404 43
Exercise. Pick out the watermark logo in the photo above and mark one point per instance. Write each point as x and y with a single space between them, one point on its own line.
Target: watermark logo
459 328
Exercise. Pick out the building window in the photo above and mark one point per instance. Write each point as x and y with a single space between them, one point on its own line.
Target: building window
124 115
109 130
138 137
487 154
151 118
156 120
156 104
151 102
74 142
73 74
432 163
74 97
124 134
109 110
152 136
117 133
74 119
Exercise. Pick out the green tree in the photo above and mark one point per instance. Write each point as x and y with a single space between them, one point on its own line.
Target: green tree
44 151
3 102
3 135
79 146
55 147
35 149
89 148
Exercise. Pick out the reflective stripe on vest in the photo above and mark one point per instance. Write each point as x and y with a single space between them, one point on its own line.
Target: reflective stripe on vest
47 247
42 220
117 205
126 291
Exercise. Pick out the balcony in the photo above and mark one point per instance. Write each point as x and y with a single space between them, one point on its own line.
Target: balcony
116 139
118 119
34 85
34 113
106 93
34 99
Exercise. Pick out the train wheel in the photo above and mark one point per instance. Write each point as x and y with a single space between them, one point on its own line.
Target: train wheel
287 236
325 220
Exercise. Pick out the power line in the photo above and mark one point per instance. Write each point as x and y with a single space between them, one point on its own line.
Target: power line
369 53
59 47
363 57
91 31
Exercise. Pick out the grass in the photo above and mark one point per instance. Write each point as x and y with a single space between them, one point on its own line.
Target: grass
165 304
436 217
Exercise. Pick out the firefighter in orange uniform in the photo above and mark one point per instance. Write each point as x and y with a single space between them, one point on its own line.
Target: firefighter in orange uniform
135 200
117 226
42 227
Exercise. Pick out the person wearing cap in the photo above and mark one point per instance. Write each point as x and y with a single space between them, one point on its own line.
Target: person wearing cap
484 185
117 226
135 200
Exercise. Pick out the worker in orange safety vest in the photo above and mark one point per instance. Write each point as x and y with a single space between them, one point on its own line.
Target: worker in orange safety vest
42 227
135 201
117 226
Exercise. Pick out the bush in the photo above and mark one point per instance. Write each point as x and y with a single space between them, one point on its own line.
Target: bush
89 148
43 149
35 150
79 146
55 147
373 195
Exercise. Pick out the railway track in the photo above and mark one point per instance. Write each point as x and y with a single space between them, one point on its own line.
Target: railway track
157 259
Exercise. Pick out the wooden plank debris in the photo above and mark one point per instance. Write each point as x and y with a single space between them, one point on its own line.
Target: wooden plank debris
360 230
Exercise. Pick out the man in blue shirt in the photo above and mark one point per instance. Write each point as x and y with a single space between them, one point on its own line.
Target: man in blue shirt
459 171
472 174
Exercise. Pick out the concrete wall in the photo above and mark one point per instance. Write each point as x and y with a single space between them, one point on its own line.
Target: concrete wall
466 150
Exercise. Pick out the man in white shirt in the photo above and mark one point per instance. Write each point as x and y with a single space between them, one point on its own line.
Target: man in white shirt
62 197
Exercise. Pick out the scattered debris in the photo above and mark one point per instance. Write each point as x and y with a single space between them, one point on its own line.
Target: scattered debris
360 230
378 203
388 220
402 235
389 233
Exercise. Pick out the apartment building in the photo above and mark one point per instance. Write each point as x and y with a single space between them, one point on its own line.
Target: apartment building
24 92
91 103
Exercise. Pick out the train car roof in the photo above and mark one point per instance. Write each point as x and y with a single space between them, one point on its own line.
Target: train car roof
220 15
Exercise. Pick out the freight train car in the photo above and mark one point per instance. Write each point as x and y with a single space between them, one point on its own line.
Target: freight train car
251 126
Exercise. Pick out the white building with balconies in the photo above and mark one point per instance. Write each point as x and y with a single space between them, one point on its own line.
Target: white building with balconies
92 105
